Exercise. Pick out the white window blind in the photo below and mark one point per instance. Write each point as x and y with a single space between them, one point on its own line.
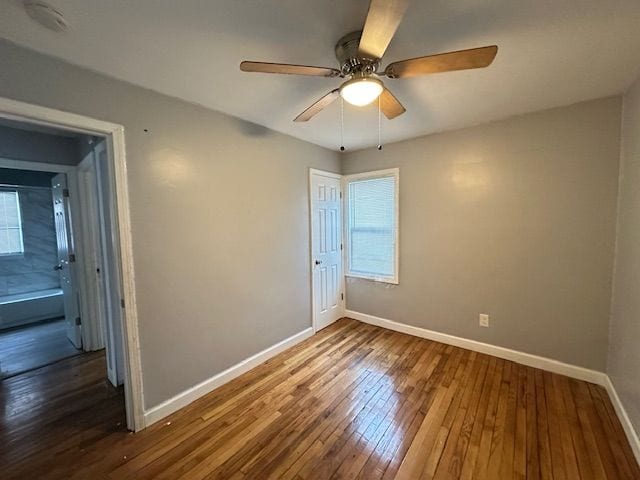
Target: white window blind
372 225
10 224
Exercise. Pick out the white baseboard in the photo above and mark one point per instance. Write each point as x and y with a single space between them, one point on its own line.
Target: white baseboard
188 396
632 435
183 399
528 359
573 371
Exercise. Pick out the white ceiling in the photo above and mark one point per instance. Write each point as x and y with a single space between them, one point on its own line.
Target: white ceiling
552 53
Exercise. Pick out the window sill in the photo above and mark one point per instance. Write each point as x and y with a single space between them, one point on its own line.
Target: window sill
391 281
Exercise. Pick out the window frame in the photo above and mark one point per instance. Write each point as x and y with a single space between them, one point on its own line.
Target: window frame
19 227
371 175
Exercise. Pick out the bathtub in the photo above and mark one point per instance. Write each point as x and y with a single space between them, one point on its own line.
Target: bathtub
24 308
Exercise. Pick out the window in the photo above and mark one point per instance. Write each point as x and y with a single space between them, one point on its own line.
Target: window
372 225
10 224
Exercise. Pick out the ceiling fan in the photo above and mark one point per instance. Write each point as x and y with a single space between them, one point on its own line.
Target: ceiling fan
359 54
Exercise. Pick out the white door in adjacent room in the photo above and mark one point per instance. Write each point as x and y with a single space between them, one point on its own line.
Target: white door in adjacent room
326 248
66 258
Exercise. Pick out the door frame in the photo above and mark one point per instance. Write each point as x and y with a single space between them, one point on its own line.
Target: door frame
114 135
91 300
110 271
337 176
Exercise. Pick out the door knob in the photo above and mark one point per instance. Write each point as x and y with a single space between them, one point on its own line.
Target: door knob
318 262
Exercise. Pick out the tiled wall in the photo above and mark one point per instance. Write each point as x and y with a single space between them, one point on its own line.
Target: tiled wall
32 271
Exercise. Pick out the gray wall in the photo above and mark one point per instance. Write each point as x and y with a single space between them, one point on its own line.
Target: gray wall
32 271
515 219
624 349
17 144
31 178
219 220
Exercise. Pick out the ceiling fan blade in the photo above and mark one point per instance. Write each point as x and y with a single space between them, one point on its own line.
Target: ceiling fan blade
443 62
381 24
325 101
264 67
390 105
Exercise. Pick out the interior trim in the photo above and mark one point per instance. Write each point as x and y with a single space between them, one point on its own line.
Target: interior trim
337 176
114 135
190 395
629 430
543 363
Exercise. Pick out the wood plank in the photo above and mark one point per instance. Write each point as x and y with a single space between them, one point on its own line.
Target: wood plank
577 434
532 455
353 401
425 442
452 458
520 447
33 346
619 431
479 468
542 427
616 443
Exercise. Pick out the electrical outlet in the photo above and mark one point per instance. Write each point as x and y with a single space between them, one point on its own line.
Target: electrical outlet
483 320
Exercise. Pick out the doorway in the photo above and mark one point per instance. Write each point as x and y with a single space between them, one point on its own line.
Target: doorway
37 311
325 193
59 240
91 202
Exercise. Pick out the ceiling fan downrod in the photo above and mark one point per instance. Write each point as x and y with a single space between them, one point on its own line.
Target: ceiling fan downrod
359 55
341 124
379 124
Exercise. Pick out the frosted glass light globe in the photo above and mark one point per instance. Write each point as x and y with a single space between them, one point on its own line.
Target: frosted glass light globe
361 91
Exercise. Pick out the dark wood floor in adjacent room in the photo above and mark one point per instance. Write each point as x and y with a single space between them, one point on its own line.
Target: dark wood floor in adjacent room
353 401
56 413
33 346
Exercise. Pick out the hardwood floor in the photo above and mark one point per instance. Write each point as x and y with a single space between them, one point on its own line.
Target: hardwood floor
354 401
25 348
57 412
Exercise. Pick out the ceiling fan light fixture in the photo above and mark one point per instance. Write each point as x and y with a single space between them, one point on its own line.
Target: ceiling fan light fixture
361 91
359 54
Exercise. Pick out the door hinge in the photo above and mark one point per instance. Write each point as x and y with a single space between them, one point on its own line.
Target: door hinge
72 258
65 192
342 296
78 321
341 246
122 302
340 194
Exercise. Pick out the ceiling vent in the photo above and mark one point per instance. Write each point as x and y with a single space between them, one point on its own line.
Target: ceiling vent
46 15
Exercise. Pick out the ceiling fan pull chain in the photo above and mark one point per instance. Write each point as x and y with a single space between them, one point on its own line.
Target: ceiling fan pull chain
359 54
379 124
341 124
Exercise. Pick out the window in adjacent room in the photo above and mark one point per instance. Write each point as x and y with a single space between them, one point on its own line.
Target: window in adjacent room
10 224
372 225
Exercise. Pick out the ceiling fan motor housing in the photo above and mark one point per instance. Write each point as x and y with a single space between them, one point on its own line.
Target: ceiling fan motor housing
359 54
350 60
